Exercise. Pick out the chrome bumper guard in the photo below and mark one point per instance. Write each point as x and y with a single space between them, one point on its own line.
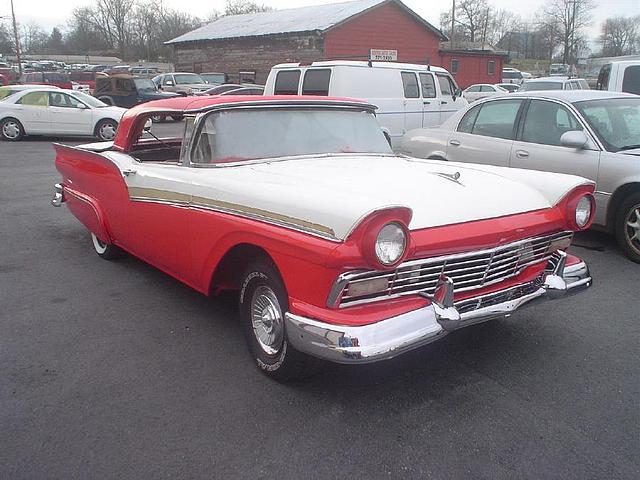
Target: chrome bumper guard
58 195
391 337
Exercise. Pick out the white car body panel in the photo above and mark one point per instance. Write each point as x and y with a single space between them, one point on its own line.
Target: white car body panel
307 188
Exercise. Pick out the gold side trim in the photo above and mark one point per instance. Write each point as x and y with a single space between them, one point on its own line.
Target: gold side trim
176 198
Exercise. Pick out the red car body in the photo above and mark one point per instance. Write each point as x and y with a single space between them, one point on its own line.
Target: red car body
95 190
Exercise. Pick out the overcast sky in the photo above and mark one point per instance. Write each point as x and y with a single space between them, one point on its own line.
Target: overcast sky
57 12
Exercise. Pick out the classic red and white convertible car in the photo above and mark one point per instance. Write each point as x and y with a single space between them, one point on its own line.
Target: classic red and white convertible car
339 249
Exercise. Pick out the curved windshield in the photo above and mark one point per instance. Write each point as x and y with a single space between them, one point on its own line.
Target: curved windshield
532 86
187 78
89 100
286 132
616 121
144 84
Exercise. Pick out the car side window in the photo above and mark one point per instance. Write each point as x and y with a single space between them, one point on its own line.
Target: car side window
35 99
410 85
631 80
445 85
496 119
475 88
167 79
316 82
469 119
287 82
428 85
486 88
546 122
62 100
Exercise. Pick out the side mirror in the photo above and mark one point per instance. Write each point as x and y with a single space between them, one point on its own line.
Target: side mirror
574 139
147 125
81 106
169 83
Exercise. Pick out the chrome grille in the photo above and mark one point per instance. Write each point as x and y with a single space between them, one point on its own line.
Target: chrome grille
468 270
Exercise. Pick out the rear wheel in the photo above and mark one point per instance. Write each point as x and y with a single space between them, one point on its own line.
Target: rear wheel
263 304
628 227
158 118
11 130
106 251
106 129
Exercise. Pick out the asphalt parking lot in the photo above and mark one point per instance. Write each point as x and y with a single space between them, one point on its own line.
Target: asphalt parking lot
115 370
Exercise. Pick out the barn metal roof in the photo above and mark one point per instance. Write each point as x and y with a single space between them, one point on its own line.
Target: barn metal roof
303 19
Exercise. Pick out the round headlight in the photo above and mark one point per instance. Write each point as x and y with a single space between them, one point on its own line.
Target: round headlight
583 211
390 243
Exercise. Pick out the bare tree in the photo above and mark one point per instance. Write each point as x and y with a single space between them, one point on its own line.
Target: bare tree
620 36
34 38
238 7
569 18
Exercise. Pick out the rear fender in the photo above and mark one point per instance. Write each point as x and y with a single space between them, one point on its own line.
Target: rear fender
93 187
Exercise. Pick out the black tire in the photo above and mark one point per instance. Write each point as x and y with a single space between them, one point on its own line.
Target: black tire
11 130
158 118
106 251
268 345
627 226
177 118
106 129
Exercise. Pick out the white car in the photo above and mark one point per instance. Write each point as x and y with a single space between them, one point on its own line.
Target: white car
482 90
54 111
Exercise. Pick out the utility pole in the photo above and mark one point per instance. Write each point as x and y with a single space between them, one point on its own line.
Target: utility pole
17 38
453 23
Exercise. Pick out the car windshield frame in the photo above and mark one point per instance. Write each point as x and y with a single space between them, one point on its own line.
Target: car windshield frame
197 78
202 119
90 101
607 103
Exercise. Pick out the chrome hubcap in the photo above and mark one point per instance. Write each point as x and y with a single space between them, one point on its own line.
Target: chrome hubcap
633 227
267 320
11 129
108 131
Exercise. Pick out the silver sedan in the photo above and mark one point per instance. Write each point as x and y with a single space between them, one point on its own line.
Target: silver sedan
589 133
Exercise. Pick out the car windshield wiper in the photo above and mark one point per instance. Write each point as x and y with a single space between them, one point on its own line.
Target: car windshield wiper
629 147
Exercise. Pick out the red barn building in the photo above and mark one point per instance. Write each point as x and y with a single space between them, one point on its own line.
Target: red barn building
246 46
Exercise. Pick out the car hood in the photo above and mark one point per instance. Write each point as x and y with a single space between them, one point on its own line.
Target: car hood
332 194
197 86
157 95
111 112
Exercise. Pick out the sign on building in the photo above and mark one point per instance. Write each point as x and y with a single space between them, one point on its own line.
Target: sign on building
384 55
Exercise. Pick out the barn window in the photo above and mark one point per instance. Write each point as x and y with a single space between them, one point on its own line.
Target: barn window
455 64
316 82
491 67
287 82
410 84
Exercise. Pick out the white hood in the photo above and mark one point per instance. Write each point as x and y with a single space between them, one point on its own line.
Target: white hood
336 192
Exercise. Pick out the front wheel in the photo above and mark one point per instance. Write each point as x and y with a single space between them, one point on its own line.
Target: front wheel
11 130
107 251
263 304
106 129
628 227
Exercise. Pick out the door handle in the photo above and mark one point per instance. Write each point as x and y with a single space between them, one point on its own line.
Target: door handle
127 172
522 153
443 102
426 103
454 142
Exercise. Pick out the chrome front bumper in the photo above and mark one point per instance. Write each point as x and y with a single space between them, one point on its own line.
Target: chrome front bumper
391 337
58 195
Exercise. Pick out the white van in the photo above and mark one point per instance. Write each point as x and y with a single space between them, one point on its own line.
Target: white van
408 96
622 76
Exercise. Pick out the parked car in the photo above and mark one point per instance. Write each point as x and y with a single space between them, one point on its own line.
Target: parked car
220 89
86 78
54 111
512 75
254 90
126 90
554 83
509 87
143 71
339 249
482 90
407 95
586 132
620 76
214 78
57 79
11 89
186 83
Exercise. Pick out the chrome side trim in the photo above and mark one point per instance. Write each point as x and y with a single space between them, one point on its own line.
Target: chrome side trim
391 337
